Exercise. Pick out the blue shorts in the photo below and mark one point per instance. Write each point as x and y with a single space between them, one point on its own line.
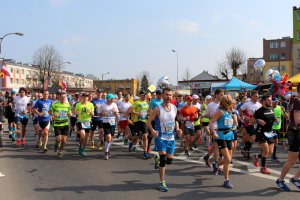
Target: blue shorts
23 121
167 146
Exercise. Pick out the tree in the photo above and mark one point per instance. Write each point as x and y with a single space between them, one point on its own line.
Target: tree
187 74
235 58
223 71
47 59
144 83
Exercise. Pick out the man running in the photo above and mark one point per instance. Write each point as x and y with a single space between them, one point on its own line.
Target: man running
35 121
84 111
41 108
246 112
205 120
123 122
197 123
22 108
60 112
164 135
294 144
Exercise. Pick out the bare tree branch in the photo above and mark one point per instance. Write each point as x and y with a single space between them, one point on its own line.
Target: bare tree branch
187 74
235 57
223 71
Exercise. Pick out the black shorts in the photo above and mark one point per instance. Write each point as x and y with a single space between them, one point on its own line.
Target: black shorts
108 129
250 130
96 124
189 131
140 128
61 130
261 138
11 118
205 124
293 140
197 128
73 121
23 121
224 144
44 125
79 127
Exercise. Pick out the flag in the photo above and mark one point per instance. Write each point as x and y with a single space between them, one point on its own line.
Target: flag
63 85
4 70
46 83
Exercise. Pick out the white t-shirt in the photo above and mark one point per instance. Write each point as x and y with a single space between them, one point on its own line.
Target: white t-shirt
110 109
119 102
250 108
20 104
198 106
211 109
123 109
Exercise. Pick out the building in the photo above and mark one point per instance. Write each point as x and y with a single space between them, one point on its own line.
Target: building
124 85
296 40
253 76
26 75
201 84
278 55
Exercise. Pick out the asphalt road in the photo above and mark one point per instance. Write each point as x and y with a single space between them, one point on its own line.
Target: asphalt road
33 175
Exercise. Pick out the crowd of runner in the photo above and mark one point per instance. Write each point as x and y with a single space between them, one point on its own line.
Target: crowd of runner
215 122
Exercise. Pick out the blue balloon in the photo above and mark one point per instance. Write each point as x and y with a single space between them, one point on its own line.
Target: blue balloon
277 78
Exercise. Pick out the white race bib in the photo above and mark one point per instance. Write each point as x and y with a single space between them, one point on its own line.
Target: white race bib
86 124
189 124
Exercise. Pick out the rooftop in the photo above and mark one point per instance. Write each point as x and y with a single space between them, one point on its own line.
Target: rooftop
205 76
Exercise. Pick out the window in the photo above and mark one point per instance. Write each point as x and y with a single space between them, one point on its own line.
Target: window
282 44
282 68
273 45
274 67
282 56
273 56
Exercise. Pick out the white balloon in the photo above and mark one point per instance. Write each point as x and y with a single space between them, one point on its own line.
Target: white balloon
163 82
269 74
275 72
259 64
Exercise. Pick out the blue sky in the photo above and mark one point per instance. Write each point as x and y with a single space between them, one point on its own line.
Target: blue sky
125 37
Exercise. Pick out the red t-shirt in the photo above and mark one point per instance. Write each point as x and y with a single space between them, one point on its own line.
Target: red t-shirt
189 111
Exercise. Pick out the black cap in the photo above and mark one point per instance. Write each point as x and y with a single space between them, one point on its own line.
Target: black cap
99 90
143 93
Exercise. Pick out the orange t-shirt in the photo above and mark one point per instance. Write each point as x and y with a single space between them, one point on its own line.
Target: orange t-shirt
189 111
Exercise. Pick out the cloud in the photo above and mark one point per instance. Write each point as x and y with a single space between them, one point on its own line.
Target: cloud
74 40
186 26
57 3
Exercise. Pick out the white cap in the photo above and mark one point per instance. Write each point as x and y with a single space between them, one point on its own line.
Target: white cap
208 97
195 96
136 98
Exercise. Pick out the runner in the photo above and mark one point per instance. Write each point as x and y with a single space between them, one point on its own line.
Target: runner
188 114
73 118
246 112
2 120
10 115
60 112
164 135
224 136
197 123
123 122
84 111
22 108
109 111
41 108
205 121
36 126
140 111
97 120
119 101
294 144
265 118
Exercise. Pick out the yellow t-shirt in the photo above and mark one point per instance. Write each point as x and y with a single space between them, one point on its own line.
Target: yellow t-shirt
140 107
84 111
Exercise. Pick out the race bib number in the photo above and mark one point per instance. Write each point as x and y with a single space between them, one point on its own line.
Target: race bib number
62 114
111 121
168 127
143 115
270 134
277 121
189 124
228 122
86 124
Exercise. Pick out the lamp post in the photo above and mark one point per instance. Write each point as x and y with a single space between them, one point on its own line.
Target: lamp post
177 63
1 39
102 79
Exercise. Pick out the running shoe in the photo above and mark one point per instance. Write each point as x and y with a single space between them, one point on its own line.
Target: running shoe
109 155
148 150
264 170
156 162
207 161
215 169
106 157
282 186
295 182
45 150
100 147
37 145
146 155
256 161
162 186
275 159
18 142
23 141
227 184
92 145
130 146
134 149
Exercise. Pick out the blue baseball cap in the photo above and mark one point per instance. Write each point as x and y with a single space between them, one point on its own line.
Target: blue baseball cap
274 99
110 96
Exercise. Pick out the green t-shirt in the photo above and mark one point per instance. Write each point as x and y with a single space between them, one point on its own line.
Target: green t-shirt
278 112
63 111
84 111
140 107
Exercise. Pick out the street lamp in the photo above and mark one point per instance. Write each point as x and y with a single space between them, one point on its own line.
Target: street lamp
177 63
102 79
19 34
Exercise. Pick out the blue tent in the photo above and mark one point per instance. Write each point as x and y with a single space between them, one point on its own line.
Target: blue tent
236 84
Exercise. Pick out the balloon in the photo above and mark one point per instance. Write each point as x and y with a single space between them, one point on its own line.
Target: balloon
277 78
269 75
275 72
259 64
163 82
